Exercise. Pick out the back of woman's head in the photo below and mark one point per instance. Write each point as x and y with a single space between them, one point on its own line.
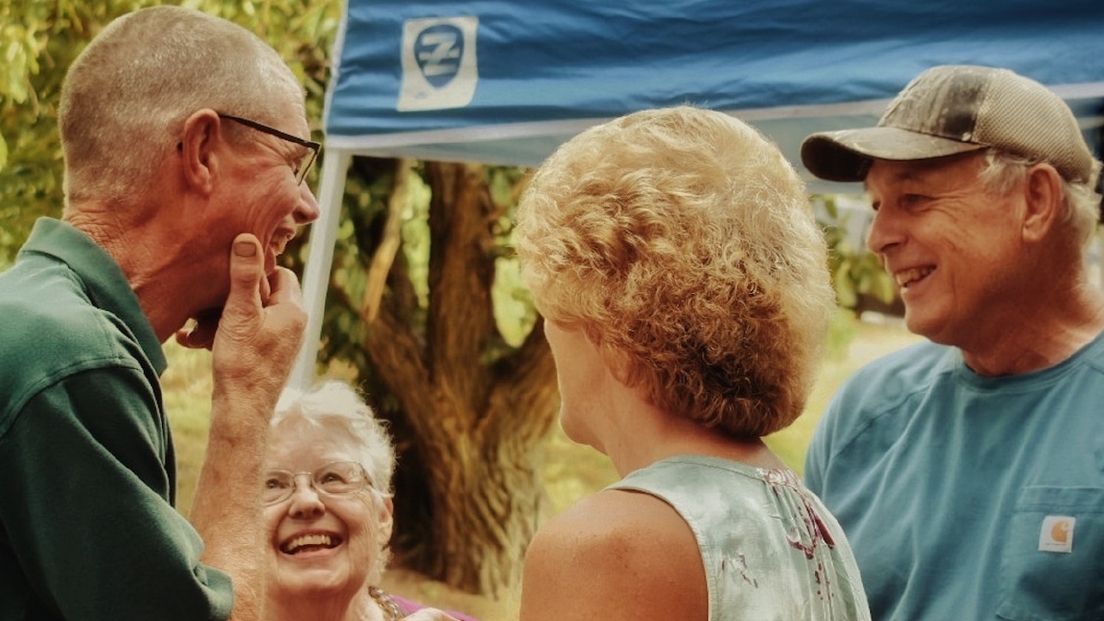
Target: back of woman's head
683 242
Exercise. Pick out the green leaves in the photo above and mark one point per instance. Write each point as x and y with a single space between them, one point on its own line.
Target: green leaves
855 270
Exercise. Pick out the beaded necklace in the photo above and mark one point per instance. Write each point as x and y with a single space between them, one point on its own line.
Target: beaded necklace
386 604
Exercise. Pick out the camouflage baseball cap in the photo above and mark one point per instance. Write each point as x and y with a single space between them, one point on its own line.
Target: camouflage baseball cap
954 109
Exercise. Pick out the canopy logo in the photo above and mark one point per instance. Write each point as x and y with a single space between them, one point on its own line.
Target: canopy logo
438 50
439 68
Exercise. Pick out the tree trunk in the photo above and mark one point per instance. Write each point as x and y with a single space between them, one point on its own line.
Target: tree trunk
474 411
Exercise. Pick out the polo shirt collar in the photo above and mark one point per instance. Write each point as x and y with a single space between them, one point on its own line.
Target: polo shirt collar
103 279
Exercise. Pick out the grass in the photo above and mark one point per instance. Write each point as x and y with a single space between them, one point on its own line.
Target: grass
186 387
571 471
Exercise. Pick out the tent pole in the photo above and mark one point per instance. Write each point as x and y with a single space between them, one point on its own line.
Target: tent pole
1100 256
316 270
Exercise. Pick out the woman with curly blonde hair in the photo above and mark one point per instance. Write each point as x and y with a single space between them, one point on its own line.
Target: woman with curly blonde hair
684 286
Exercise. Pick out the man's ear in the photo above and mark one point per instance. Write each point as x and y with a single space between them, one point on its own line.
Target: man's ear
1042 193
198 153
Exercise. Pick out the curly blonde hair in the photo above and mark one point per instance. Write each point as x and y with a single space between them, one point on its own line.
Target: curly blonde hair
683 243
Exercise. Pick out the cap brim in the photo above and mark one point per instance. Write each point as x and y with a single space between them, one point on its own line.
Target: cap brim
845 155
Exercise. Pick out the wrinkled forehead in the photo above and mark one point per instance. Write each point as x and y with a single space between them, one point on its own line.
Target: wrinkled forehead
297 443
883 172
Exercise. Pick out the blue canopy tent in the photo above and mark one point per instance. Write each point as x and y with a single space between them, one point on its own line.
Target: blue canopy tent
503 82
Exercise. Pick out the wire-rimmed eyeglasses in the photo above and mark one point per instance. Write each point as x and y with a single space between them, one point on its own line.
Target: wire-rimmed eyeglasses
336 478
307 159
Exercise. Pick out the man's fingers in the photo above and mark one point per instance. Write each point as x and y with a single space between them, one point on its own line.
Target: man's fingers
246 272
262 323
184 338
284 287
201 333
195 338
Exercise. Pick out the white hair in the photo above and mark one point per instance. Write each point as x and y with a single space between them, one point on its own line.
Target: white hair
337 403
1080 201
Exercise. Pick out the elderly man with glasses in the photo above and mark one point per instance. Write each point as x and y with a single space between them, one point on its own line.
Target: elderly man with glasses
186 148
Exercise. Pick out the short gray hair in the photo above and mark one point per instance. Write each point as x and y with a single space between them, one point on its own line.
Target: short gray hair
1080 200
127 95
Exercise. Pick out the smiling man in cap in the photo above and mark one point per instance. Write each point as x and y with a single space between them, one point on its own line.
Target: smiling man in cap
968 470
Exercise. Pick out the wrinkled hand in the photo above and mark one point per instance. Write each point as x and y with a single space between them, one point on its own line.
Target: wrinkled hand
260 329
430 614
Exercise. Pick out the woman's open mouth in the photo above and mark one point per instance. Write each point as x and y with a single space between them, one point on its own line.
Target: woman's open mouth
309 543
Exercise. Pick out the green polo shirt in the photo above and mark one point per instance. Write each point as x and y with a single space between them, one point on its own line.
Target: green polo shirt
87 525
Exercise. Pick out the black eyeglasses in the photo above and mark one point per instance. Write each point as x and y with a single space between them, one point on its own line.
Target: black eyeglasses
304 163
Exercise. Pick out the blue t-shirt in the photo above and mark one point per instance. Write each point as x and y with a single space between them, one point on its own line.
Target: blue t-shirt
968 497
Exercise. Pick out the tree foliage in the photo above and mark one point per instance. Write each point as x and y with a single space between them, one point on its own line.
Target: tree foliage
857 273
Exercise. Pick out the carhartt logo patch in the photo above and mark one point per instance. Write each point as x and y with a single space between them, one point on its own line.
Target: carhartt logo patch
1056 535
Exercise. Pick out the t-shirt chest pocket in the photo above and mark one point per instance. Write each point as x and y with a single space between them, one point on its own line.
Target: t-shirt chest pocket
1052 563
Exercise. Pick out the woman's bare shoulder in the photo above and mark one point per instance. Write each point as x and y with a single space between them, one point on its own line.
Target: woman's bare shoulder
615 555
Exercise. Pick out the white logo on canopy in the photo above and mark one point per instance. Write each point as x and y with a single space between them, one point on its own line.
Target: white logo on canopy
439 65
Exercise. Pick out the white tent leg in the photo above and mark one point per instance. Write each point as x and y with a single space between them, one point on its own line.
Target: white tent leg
1100 255
316 271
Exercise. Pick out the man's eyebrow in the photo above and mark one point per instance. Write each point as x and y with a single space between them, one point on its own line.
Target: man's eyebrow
912 173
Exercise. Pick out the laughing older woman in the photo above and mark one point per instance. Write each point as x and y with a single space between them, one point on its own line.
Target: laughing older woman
328 510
